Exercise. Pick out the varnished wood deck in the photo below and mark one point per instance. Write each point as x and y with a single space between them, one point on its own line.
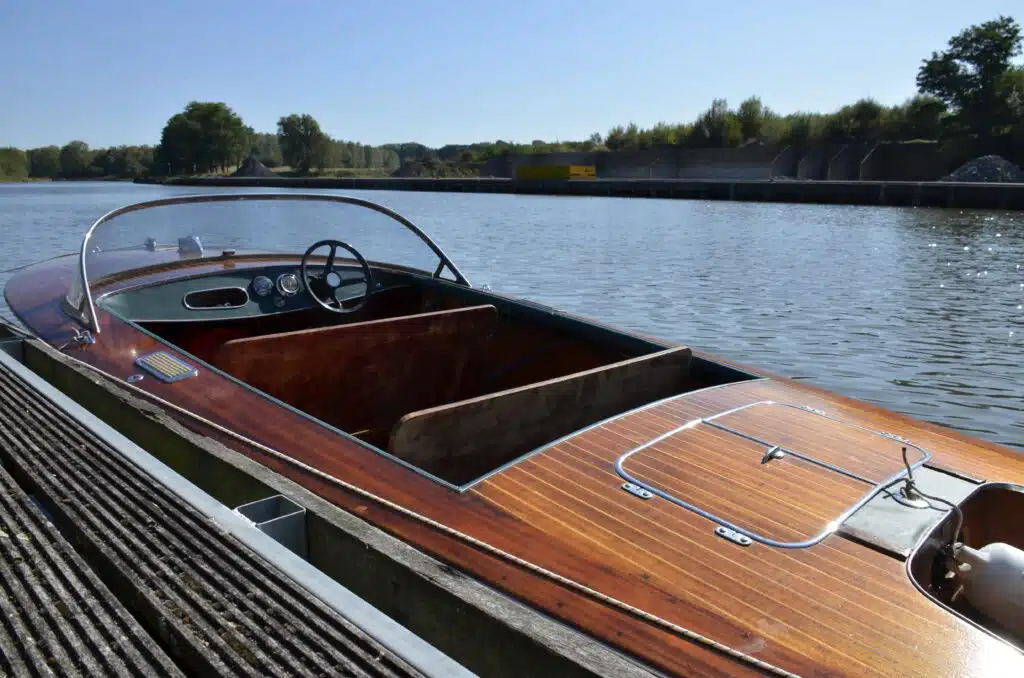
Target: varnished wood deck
556 530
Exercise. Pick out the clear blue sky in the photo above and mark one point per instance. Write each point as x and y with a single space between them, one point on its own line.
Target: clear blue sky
451 71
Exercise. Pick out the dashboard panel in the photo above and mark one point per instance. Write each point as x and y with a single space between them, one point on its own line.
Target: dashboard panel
233 294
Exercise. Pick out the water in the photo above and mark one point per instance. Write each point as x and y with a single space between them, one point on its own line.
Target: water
920 311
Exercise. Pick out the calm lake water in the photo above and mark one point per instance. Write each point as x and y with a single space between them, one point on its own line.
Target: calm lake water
917 310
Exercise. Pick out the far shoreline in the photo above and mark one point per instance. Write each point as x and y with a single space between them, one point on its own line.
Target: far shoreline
948 194
61 180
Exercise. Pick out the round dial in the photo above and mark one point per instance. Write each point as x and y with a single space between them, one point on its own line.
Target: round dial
262 285
288 284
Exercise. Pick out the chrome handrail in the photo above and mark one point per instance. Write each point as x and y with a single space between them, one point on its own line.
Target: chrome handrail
87 315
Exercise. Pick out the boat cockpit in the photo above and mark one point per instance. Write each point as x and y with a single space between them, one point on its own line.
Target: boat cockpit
371 330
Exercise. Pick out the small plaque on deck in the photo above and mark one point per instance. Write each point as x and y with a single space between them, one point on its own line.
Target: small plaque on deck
166 367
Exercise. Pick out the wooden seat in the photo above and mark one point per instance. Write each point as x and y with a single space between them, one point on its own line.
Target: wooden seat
363 376
463 440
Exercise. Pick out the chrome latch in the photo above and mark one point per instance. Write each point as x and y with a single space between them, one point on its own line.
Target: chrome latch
637 491
733 536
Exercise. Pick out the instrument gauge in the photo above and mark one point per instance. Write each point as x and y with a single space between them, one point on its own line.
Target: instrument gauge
262 285
288 284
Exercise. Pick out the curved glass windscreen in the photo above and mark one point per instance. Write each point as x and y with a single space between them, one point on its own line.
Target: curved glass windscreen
204 226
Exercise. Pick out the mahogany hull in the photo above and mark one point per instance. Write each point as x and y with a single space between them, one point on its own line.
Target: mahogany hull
650 577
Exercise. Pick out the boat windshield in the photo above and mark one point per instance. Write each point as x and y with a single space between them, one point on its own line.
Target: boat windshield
204 226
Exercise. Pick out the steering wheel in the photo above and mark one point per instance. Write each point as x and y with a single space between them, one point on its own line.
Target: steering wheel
324 287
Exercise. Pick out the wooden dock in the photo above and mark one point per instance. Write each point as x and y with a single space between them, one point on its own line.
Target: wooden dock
108 570
149 550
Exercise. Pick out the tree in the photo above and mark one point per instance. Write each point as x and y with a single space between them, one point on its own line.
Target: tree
75 158
717 127
13 163
662 134
44 163
128 162
751 116
267 149
968 76
866 119
1011 93
923 117
303 143
202 138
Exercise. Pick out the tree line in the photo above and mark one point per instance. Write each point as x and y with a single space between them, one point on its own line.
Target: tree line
75 160
972 92
205 137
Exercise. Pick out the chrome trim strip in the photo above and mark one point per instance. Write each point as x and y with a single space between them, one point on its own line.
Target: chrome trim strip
184 299
829 529
87 315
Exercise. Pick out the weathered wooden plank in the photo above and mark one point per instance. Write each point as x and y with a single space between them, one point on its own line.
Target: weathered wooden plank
462 440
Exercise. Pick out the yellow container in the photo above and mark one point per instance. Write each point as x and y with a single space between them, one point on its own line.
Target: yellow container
549 172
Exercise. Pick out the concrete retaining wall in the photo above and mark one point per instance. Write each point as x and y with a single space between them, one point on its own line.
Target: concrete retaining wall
787 162
748 163
648 163
931 194
813 166
845 165
921 161
667 162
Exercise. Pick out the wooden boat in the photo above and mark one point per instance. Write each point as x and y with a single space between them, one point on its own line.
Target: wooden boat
703 517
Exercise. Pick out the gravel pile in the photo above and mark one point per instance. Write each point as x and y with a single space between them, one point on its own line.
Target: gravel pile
253 168
987 168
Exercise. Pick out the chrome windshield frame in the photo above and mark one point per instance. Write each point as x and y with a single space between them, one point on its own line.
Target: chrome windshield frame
84 312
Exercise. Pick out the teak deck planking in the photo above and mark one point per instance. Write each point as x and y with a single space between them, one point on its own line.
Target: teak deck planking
835 608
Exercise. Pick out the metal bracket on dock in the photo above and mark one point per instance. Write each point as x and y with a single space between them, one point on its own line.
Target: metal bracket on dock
281 519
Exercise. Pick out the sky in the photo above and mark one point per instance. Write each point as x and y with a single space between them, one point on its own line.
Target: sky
451 71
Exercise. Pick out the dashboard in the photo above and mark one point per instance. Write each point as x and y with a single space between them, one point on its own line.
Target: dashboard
232 294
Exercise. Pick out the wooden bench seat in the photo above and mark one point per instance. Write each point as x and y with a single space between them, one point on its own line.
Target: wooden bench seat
463 440
361 377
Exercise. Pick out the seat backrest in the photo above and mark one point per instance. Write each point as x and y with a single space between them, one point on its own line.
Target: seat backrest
463 440
364 376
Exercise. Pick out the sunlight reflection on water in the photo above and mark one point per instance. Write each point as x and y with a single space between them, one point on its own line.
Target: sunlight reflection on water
918 310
